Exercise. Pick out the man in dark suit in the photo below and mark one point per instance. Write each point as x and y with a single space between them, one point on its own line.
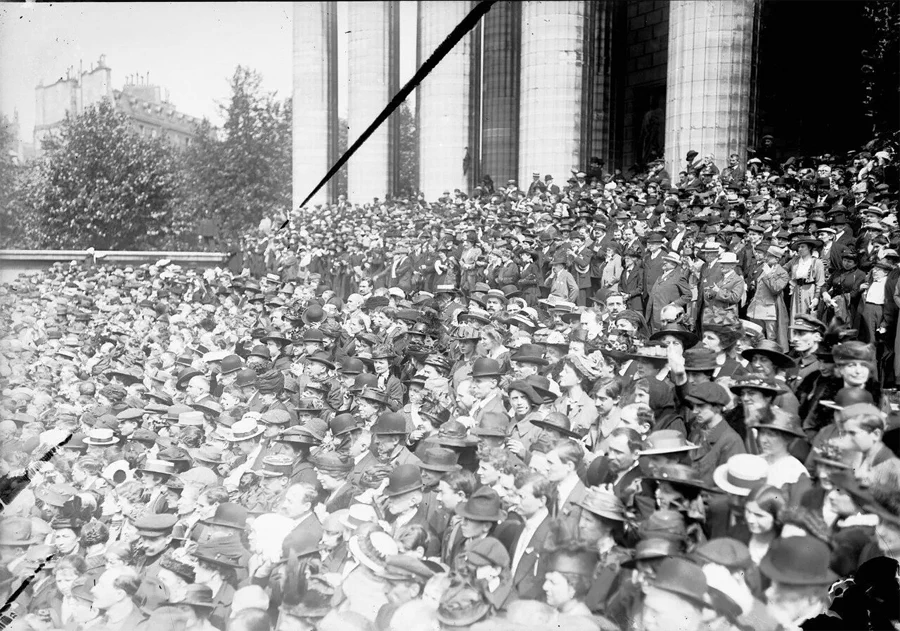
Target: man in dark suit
653 261
400 271
631 284
527 546
568 489
672 288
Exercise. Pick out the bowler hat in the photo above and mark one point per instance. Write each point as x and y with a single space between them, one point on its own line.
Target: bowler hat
343 424
440 459
798 561
403 479
229 515
486 367
245 377
483 505
529 354
322 358
390 424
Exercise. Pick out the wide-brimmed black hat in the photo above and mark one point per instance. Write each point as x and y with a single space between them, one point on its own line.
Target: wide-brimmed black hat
772 350
687 338
558 422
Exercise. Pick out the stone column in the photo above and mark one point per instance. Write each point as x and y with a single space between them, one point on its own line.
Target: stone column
314 131
373 76
708 82
443 100
553 89
501 34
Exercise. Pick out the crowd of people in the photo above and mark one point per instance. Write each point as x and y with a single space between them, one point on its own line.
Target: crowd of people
645 403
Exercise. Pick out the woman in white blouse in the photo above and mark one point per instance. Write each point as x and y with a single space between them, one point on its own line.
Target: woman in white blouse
807 277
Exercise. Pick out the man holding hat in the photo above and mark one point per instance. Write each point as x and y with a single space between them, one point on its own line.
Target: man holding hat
670 288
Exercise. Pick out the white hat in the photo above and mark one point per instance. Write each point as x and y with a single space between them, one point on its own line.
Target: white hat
728 258
741 473
245 429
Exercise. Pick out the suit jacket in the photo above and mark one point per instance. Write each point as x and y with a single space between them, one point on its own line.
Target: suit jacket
727 294
768 301
570 511
671 289
493 405
652 270
528 577
631 284
401 275
564 286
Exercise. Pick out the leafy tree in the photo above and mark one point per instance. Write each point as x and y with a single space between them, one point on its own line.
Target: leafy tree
880 71
7 179
100 184
242 174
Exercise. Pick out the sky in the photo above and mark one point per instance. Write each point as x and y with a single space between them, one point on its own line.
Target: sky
189 49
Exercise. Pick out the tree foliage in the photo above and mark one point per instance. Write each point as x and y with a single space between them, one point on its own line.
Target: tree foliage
100 184
242 174
881 70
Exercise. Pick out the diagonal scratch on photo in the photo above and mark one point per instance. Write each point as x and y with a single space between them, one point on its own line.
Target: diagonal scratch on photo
429 315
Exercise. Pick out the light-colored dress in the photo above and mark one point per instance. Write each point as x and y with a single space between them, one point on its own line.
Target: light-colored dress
807 281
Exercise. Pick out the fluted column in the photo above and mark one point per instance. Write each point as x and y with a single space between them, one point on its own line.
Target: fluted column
314 129
552 92
443 99
373 77
708 83
501 34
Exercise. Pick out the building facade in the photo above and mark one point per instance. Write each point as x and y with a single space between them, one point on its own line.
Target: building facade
544 86
147 110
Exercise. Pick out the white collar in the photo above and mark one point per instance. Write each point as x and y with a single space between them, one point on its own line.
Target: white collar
565 487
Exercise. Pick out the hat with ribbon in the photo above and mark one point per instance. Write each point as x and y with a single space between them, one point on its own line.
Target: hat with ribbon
455 434
756 381
678 474
101 437
245 429
602 502
372 549
741 474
